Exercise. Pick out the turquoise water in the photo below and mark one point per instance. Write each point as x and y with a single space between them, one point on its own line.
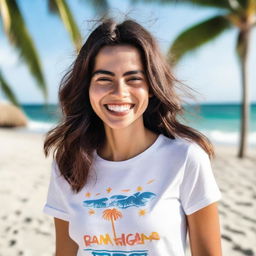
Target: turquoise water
225 117
220 122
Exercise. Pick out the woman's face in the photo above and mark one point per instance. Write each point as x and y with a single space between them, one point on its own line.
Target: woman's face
119 91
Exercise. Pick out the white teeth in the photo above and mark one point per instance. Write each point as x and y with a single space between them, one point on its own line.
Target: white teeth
119 108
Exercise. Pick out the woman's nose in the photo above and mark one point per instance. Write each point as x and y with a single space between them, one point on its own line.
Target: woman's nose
120 88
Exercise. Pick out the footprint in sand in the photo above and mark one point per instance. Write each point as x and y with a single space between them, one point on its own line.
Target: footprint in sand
244 203
227 238
17 212
15 231
12 242
227 227
247 252
28 220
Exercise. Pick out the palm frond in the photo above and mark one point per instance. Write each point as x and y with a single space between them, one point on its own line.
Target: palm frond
52 7
6 89
202 3
241 45
251 10
18 35
244 3
195 36
61 8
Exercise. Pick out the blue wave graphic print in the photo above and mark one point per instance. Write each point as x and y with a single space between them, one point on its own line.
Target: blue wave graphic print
118 253
98 203
138 199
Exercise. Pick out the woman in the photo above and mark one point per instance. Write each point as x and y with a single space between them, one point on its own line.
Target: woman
127 177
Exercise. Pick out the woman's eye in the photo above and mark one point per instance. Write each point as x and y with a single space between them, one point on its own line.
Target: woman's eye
103 79
134 78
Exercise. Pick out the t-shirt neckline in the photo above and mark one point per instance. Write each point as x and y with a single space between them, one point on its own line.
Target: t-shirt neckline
130 160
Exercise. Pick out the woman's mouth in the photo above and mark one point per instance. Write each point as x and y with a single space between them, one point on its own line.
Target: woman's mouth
119 109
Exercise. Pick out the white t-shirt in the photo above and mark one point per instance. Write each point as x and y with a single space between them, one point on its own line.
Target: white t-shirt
136 207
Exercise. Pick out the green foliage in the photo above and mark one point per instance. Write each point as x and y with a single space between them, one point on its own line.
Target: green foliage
6 89
19 36
200 3
244 3
197 35
61 8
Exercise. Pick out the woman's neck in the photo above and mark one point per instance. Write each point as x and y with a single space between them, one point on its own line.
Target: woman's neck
124 144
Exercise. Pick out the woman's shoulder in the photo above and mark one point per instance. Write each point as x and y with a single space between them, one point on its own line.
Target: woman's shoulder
189 148
179 142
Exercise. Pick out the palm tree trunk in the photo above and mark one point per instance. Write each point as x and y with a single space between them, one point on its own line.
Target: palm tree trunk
113 227
245 107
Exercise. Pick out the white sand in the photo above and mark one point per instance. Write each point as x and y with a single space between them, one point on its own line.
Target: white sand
24 176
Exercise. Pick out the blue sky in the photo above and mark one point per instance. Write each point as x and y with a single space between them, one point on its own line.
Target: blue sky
212 71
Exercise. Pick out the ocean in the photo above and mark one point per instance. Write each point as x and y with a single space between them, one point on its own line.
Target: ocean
219 122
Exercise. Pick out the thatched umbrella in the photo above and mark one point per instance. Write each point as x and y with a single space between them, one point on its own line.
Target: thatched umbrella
11 116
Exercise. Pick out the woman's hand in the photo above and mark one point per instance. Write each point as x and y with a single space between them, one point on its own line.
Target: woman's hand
204 231
65 246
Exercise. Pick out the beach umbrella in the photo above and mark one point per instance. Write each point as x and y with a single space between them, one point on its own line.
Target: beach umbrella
11 116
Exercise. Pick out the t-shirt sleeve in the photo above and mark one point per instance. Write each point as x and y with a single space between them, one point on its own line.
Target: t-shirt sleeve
56 203
198 187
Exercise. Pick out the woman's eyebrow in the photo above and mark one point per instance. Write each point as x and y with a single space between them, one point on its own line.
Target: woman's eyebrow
101 71
106 72
134 72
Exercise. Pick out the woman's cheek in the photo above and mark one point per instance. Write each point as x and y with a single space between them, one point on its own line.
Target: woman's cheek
99 89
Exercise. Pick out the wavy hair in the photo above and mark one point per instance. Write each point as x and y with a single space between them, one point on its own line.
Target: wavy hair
81 131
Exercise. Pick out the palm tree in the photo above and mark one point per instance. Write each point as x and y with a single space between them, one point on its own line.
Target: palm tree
240 14
18 35
112 215
60 8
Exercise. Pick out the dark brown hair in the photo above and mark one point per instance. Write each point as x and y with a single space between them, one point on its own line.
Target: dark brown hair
81 131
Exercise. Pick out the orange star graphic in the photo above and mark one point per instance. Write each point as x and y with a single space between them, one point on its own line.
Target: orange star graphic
88 194
150 181
91 212
108 190
142 212
139 188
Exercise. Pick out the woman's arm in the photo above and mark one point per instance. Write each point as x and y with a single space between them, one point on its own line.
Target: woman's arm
65 246
204 231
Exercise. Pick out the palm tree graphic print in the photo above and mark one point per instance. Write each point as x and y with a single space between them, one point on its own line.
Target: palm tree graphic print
114 207
112 215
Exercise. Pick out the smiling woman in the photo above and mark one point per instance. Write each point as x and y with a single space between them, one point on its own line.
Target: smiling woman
127 177
119 88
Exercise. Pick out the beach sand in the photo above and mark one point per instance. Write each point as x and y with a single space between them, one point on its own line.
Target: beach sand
24 177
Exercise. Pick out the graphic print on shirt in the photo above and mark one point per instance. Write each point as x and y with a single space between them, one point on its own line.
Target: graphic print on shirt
112 209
